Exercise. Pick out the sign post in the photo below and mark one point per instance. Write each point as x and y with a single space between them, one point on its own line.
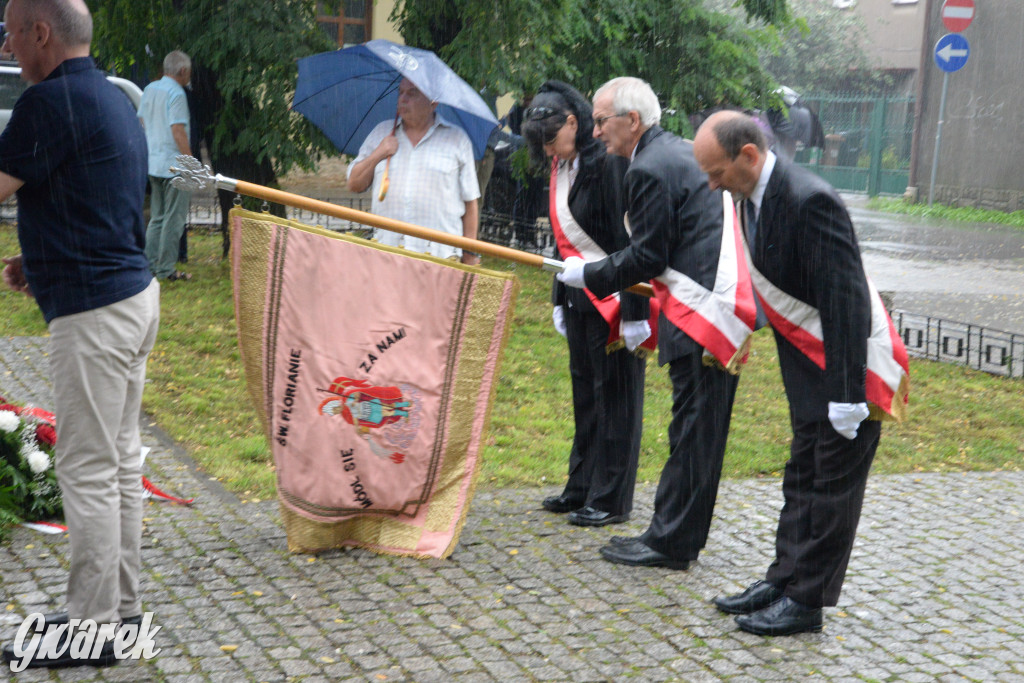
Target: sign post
951 53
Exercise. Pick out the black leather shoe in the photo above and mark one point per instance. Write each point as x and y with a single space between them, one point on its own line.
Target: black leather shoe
62 618
625 540
640 555
560 504
783 617
55 618
588 516
758 595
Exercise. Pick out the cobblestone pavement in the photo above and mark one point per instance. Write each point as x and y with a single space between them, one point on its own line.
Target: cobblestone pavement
933 592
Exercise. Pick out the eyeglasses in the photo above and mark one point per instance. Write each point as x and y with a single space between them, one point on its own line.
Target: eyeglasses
599 122
538 113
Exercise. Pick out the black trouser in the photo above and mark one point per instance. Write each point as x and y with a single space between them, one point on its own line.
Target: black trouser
702 398
608 400
824 490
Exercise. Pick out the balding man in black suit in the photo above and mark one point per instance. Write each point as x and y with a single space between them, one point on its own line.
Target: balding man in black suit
810 279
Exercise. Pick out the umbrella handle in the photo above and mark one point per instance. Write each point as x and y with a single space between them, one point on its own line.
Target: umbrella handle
384 182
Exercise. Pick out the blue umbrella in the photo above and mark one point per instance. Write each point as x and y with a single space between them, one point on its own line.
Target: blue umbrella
345 93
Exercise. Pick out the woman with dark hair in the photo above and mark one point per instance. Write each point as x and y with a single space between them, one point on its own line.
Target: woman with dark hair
606 360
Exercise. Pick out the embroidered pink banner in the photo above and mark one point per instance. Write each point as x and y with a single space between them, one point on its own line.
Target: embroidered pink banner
372 370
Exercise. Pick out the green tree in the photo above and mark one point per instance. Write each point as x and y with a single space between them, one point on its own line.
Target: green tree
692 56
497 46
820 50
244 69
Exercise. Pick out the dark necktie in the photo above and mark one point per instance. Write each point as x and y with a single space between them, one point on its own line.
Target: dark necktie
750 230
749 221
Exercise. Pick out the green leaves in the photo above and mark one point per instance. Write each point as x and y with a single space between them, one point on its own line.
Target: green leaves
770 11
251 49
692 56
821 50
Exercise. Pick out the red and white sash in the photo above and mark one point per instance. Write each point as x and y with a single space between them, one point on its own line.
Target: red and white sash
722 319
574 241
888 374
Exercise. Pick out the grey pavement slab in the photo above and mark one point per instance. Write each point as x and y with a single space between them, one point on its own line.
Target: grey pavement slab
933 592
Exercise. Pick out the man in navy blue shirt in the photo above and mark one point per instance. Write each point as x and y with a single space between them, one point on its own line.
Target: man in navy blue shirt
75 154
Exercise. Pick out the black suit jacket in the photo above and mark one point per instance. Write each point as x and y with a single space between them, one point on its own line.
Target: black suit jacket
806 246
596 203
676 220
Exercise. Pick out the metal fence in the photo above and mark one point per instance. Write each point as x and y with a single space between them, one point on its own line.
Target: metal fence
867 142
500 228
204 212
981 348
495 227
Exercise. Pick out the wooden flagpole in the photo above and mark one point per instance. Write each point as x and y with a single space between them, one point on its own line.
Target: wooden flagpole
194 176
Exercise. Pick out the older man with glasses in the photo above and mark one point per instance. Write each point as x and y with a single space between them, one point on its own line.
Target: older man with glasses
676 225
422 171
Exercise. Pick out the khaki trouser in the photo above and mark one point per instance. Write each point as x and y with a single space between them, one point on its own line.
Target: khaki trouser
98 364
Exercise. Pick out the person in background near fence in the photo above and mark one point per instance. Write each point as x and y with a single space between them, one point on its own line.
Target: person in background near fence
676 226
165 116
194 142
76 156
803 247
431 177
607 377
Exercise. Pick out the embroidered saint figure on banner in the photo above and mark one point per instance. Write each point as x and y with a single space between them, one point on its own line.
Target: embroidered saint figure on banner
387 417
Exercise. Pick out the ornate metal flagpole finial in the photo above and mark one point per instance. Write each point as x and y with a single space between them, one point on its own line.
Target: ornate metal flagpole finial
192 175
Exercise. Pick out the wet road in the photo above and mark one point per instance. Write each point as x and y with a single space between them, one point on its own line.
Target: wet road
972 273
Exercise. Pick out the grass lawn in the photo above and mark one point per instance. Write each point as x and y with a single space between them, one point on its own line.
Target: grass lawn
960 419
964 214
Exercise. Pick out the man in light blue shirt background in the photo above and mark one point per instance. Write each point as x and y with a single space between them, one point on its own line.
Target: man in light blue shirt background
165 116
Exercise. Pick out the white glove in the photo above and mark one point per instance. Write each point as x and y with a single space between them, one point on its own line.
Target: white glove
846 417
558 318
572 272
635 333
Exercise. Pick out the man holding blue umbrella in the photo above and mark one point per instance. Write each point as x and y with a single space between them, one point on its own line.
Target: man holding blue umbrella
422 171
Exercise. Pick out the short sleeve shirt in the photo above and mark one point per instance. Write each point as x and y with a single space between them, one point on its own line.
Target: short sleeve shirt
164 104
75 142
428 185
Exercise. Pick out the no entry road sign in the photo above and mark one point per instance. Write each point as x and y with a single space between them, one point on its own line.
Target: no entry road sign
957 14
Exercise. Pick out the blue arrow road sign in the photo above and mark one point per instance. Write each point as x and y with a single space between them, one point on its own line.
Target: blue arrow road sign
951 52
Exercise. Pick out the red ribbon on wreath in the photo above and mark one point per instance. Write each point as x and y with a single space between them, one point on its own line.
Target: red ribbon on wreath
46 433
